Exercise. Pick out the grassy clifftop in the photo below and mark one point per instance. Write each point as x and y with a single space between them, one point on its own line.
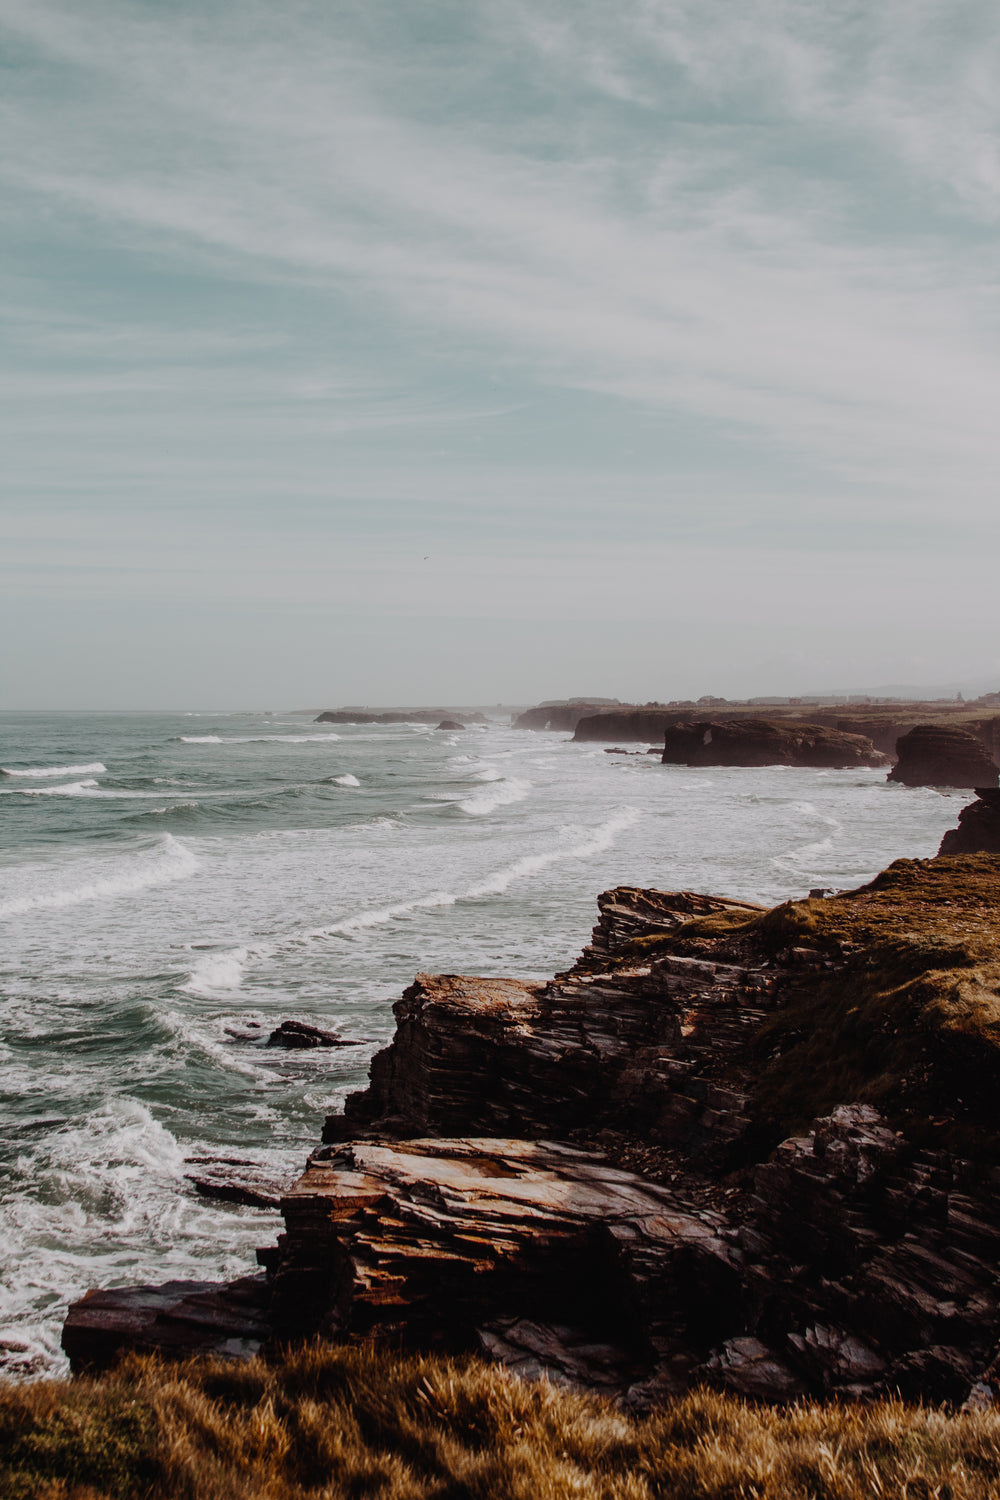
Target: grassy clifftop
907 1018
341 1424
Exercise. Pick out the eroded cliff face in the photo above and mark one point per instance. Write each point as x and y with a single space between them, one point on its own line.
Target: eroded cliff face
730 1145
937 755
978 830
765 742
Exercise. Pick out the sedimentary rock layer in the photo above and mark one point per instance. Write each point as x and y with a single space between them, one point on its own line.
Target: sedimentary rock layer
978 830
934 755
807 1094
764 742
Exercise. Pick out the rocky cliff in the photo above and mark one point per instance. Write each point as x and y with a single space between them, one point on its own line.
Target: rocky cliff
753 1148
564 716
765 742
938 755
978 830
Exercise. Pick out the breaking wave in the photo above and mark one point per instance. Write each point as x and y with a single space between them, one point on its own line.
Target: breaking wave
95 769
169 860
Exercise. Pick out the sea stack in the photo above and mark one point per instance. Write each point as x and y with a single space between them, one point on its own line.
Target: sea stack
933 755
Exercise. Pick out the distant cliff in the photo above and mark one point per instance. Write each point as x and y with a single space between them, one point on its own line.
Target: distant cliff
565 715
762 742
398 716
941 755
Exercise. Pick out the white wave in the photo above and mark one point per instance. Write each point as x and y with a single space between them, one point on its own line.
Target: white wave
501 794
290 739
381 914
88 788
218 973
95 769
257 739
169 860
105 1200
488 773
346 780
596 841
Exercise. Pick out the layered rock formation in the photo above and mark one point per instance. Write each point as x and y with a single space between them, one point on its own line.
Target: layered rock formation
764 742
645 726
937 755
978 830
753 1148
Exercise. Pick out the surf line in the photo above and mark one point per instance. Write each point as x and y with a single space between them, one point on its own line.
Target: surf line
230 965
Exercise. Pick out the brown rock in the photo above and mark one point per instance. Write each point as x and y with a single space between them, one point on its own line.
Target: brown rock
765 742
934 755
296 1036
177 1320
978 830
534 1252
849 1258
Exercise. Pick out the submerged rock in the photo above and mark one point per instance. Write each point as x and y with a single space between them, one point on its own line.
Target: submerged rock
934 755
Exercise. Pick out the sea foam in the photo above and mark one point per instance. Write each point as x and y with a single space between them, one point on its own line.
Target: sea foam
595 842
131 874
500 794
94 769
218 973
256 739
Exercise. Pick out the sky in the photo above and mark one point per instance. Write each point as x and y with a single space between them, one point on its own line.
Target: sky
409 351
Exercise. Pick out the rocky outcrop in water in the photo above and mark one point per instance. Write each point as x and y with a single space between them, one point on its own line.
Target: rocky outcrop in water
752 1148
297 1036
765 742
978 830
936 755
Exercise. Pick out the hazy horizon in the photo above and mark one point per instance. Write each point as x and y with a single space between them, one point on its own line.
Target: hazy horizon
462 353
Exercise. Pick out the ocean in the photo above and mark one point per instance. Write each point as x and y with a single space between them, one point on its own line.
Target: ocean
172 886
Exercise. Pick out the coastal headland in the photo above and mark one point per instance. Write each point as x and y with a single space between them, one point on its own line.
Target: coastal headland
883 723
754 1149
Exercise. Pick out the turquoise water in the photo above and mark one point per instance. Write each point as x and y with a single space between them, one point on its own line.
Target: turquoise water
172 886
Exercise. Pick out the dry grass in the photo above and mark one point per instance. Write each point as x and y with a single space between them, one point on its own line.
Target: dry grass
331 1423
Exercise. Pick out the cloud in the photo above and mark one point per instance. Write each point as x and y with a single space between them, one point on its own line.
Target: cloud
654 305
708 287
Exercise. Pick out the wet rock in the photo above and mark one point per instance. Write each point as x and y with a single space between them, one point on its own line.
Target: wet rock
236 1180
935 755
176 1320
450 724
298 1035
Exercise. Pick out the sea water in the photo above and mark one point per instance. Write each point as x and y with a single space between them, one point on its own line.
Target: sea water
172 886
